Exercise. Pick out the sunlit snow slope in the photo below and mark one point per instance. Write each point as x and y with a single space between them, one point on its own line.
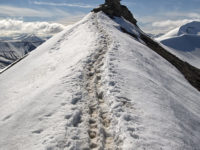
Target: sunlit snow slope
93 86
184 42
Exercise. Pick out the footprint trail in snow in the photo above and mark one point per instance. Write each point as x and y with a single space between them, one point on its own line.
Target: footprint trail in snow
100 118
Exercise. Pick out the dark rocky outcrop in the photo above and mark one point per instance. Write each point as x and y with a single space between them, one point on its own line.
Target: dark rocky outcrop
114 8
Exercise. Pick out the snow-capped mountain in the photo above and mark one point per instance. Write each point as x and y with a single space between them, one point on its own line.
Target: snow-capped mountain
184 42
100 84
12 50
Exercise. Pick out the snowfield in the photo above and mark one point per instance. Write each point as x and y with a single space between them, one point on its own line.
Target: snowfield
93 86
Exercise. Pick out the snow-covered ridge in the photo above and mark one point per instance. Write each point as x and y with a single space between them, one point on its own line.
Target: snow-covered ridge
94 86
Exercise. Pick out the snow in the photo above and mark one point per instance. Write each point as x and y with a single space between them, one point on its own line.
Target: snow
161 109
149 104
192 57
184 42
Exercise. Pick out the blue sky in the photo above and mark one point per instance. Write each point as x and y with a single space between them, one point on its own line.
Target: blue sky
154 16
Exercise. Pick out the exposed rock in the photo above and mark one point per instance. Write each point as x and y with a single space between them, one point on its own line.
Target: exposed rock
114 8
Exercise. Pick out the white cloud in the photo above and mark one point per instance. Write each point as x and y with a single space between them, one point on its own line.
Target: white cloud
63 4
183 14
165 21
10 27
177 19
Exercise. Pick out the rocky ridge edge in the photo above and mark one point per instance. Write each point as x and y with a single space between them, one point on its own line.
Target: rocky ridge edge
114 8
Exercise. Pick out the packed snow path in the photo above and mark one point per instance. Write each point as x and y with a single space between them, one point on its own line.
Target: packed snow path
100 118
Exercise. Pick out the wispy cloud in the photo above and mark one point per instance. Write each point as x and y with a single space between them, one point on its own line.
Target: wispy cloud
183 14
18 11
71 19
63 4
13 11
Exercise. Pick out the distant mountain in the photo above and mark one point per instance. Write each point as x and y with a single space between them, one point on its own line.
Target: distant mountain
184 42
30 38
13 49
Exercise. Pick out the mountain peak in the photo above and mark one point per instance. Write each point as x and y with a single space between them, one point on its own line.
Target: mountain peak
114 8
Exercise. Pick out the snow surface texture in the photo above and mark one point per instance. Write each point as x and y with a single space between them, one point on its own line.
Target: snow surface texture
93 86
184 42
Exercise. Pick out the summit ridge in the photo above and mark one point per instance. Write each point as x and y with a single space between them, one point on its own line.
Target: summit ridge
114 8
